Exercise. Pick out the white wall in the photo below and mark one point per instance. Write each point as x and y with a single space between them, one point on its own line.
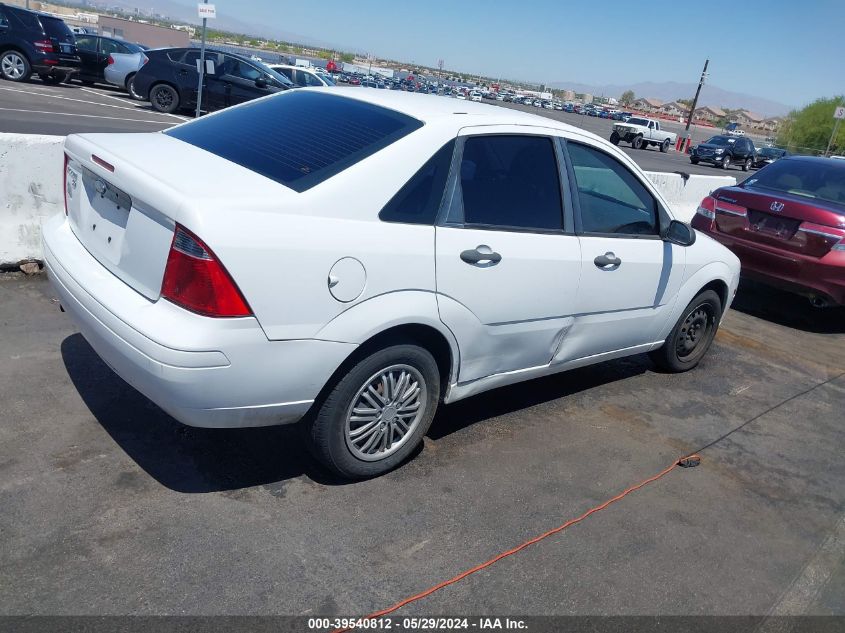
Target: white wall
685 196
30 191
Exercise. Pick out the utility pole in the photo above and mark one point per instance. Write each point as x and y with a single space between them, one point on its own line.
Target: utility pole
202 65
685 144
833 134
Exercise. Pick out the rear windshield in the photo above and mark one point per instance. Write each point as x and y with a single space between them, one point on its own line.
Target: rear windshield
821 180
642 122
53 27
298 138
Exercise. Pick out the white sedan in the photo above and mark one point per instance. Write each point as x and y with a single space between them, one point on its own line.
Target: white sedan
352 258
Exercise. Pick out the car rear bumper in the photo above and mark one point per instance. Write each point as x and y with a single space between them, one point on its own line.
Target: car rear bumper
206 372
801 274
50 63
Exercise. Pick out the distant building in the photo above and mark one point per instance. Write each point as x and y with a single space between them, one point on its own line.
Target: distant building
709 113
569 95
587 98
674 109
772 124
647 105
749 119
146 34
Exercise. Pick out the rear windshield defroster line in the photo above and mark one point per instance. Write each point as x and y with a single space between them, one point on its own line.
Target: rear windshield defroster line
298 138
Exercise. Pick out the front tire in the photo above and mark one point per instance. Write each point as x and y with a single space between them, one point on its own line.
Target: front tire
164 99
692 335
614 138
637 143
746 166
376 414
694 161
726 162
14 66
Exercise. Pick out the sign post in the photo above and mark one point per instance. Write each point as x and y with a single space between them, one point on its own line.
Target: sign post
205 11
838 114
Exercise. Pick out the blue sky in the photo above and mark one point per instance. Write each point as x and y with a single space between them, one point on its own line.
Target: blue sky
789 51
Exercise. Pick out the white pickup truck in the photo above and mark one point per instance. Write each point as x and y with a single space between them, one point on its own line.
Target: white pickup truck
641 133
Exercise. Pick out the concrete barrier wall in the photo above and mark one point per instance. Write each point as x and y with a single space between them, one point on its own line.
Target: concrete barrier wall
30 191
684 196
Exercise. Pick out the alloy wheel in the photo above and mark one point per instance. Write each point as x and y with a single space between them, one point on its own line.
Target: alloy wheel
385 412
13 66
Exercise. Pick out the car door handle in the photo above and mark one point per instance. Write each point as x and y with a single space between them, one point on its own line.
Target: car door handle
608 261
482 256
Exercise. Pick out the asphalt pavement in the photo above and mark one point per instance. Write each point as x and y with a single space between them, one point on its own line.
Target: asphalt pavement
36 108
109 506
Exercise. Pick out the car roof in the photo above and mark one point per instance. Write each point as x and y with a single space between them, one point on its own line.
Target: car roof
820 160
428 108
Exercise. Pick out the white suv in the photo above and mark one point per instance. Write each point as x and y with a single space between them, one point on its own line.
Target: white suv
353 258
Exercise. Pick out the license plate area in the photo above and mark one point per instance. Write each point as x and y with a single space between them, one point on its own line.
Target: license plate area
772 225
104 213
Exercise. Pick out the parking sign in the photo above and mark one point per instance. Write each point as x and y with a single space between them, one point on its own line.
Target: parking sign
207 11
839 113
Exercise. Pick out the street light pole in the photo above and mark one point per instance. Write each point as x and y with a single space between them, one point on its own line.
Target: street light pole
202 65
683 147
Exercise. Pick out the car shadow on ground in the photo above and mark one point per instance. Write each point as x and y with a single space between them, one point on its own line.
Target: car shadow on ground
787 309
195 460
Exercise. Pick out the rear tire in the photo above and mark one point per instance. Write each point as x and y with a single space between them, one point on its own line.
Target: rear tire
664 146
692 335
637 143
164 98
366 425
614 138
694 161
14 66
130 88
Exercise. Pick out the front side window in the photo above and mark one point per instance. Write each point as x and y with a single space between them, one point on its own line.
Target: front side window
419 199
511 181
612 200
238 68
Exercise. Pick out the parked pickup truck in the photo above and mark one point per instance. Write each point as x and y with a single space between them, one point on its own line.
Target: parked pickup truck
641 133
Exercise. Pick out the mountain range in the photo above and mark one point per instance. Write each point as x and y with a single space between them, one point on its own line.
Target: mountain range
672 90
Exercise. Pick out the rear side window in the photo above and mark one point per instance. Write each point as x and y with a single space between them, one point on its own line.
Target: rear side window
298 139
27 19
419 199
511 182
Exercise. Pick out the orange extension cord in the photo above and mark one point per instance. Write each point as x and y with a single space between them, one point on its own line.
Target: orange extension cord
691 459
687 460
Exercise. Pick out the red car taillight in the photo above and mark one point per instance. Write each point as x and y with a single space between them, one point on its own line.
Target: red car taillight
707 208
45 46
111 60
196 281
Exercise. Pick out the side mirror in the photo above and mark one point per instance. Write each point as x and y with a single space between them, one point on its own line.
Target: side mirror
261 82
679 233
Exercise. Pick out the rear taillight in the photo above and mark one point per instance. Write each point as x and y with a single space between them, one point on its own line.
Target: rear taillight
707 208
111 60
144 59
196 281
45 46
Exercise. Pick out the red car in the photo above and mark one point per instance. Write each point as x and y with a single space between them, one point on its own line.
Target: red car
786 223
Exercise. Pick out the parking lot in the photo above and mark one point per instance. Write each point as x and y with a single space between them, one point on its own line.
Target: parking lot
36 108
111 507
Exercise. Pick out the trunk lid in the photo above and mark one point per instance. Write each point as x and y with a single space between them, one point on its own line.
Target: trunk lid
126 192
785 221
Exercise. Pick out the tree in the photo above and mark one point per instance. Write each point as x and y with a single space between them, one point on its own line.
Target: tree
808 130
347 57
684 102
627 97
